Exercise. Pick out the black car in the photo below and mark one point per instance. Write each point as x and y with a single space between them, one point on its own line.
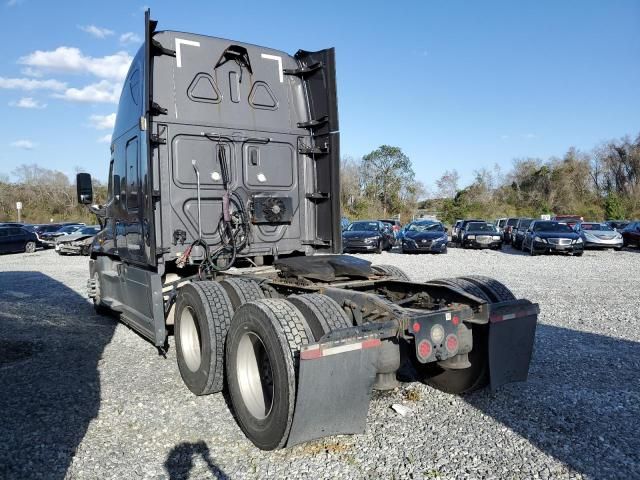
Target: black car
367 236
480 235
460 226
425 236
508 226
518 231
545 236
618 225
17 239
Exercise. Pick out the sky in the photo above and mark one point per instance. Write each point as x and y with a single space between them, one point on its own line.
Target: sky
456 85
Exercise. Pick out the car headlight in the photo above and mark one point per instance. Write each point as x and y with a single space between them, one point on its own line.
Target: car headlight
579 240
539 239
471 237
496 237
369 240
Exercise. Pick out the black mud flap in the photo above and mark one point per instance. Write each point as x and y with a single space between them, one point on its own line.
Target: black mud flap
512 329
334 390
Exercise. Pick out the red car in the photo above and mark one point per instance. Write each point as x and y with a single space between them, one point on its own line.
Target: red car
631 234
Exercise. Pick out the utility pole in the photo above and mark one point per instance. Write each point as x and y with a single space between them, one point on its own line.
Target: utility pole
19 208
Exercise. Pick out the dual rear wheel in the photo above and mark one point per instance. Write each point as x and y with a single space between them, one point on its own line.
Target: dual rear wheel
231 326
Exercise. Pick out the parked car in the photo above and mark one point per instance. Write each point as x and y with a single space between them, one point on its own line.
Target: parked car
544 236
570 220
500 223
518 231
618 225
396 226
631 234
462 226
78 243
455 230
48 239
13 224
367 236
425 236
481 235
599 235
17 239
508 226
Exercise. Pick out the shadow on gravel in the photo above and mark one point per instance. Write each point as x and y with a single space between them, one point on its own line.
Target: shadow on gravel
51 342
581 403
180 461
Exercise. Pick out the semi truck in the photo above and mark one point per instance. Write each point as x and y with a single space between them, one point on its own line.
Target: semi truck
221 230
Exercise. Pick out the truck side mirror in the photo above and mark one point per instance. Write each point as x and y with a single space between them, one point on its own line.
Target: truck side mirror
85 188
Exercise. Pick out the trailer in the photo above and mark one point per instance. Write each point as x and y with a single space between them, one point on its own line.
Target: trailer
222 229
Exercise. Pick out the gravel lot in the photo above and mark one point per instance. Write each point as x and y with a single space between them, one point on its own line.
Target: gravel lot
85 397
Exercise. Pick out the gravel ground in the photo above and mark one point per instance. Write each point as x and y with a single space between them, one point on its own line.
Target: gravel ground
85 397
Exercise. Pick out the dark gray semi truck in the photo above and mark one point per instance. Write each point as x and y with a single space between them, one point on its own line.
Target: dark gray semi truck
222 228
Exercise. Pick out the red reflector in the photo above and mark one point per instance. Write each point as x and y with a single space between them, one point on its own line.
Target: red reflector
372 342
416 327
455 321
452 343
424 348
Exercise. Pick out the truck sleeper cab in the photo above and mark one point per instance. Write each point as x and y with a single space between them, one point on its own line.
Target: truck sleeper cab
223 188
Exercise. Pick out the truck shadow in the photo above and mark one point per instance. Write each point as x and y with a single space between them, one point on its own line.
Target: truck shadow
51 343
581 403
180 461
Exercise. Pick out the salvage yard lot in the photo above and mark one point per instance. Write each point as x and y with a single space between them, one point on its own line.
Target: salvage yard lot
85 397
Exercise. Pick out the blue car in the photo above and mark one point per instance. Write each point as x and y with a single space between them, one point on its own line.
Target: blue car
425 236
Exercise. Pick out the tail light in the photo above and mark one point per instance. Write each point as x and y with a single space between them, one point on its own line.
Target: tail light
452 343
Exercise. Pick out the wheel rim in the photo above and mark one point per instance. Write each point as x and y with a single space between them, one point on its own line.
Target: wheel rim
255 378
31 247
190 340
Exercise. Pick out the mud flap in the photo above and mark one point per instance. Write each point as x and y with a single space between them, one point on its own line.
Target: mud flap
512 328
334 391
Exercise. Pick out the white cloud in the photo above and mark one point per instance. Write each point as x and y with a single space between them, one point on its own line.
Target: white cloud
97 32
130 37
23 144
27 102
105 139
30 84
31 72
71 60
103 122
101 92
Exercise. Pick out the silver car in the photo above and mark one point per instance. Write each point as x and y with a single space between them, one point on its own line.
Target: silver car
599 235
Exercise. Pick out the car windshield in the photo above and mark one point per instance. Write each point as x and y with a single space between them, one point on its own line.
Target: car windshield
601 227
89 230
481 227
554 227
525 223
426 227
512 222
363 227
69 229
501 223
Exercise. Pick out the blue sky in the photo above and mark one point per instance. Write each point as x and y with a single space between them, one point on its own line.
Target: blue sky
454 84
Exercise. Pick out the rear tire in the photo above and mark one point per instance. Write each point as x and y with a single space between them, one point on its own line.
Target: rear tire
30 247
392 271
322 313
263 345
97 298
242 290
202 317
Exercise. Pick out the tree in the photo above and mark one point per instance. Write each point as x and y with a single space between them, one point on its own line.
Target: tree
448 184
387 174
